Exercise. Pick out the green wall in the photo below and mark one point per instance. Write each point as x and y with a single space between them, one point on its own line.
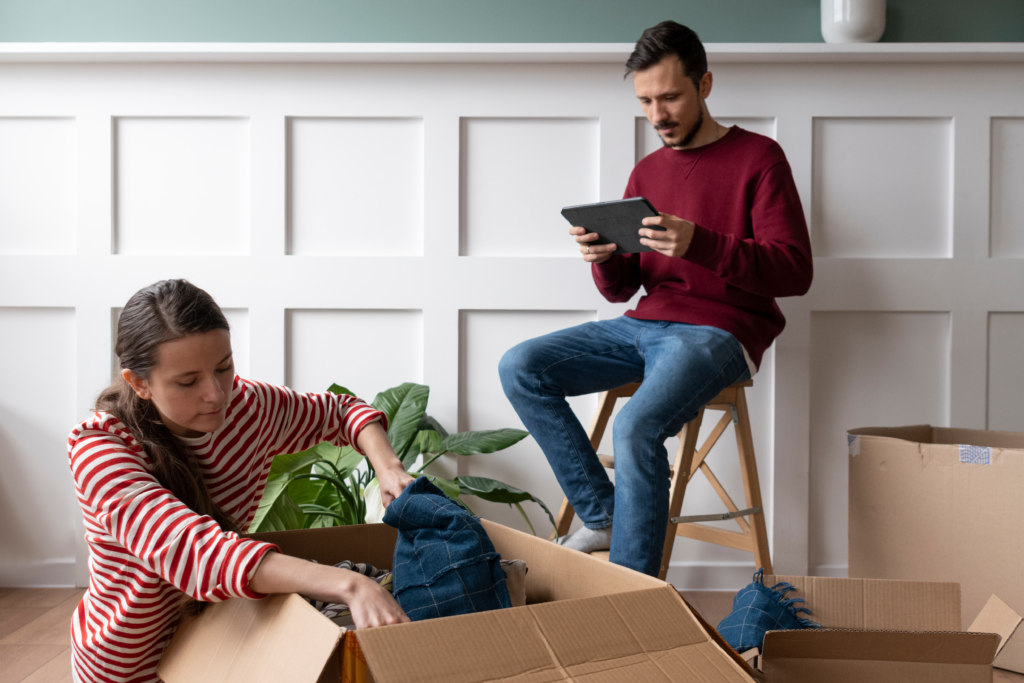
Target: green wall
485 21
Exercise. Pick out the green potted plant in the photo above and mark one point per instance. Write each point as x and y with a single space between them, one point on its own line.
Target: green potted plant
328 485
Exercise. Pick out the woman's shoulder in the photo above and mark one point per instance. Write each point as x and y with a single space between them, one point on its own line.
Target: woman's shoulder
100 433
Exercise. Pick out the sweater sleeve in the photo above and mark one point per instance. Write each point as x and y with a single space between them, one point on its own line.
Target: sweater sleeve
301 421
186 549
776 261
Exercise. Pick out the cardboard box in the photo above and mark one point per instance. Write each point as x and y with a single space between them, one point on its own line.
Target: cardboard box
585 620
879 631
998 617
934 504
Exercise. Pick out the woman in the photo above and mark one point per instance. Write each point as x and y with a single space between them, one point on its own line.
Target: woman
171 468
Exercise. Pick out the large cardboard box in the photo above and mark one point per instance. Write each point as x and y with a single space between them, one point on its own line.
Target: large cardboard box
935 504
879 631
585 620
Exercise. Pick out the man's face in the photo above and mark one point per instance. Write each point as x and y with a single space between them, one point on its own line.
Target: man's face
671 102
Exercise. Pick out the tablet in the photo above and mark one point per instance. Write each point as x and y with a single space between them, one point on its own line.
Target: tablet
617 222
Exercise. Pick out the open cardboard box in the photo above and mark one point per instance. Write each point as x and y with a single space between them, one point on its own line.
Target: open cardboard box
936 504
585 620
998 617
880 631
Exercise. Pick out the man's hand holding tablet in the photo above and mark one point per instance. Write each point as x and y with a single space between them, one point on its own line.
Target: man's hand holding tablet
626 226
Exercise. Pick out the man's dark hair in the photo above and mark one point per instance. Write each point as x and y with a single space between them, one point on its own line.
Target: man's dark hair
670 38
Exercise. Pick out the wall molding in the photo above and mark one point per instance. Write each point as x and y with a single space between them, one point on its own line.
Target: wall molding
56 573
723 53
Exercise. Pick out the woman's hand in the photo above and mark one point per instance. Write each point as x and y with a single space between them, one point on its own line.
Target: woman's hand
392 483
372 605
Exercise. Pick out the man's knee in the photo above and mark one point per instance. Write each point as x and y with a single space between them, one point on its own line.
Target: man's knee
514 367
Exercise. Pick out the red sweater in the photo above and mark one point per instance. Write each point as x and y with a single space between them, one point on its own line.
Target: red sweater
749 246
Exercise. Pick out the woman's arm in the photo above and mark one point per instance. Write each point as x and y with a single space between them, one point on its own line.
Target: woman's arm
371 605
374 442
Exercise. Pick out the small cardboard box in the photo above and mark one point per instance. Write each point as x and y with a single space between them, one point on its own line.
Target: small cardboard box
585 620
998 617
935 504
879 631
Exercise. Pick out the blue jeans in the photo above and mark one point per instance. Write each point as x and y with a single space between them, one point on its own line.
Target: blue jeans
682 368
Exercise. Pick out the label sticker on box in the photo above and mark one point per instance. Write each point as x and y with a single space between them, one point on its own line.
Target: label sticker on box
975 455
853 444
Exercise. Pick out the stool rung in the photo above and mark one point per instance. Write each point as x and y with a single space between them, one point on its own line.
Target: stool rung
710 534
689 519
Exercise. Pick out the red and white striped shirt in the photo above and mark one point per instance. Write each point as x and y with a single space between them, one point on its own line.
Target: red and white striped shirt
146 545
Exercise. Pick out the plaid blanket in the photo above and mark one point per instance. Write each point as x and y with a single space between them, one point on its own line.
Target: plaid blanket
758 609
444 562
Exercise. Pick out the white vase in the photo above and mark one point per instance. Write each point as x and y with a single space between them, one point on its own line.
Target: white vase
852 21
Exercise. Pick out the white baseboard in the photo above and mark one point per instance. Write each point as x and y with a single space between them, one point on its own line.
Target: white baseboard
59 573
710 576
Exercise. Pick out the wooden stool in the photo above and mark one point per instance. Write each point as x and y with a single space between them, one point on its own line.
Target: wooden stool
752 536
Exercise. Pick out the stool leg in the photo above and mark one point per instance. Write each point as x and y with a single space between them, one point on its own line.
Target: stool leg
677 489
751 485
605 406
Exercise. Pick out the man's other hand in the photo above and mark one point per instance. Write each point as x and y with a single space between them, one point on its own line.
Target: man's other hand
673 241
592 253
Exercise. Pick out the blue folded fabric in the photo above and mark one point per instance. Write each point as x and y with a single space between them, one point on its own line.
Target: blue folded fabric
758 609
444 562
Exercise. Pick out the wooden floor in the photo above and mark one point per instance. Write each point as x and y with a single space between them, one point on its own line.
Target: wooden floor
35 625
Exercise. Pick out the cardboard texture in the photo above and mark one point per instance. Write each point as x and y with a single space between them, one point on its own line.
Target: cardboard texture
875 604
839 656
936 504
998 617
585 620
877 630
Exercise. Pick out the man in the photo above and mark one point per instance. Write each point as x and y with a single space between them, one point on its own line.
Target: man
733 239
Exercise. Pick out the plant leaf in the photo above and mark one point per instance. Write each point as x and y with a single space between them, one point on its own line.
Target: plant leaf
282 515
339 390
314 509
427 422
404 406
489 441
450 488
283 467
499 492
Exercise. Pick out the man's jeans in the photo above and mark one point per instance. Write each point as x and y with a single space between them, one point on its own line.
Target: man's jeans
682 368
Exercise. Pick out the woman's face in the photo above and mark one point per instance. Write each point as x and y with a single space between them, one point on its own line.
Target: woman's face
191 382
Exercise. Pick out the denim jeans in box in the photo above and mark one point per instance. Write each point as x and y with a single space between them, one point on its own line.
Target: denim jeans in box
682 368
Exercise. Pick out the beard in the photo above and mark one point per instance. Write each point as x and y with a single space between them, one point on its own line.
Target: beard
690 134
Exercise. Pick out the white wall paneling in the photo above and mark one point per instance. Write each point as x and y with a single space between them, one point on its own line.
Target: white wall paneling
38 162
365 351
182 185
485 336
882 187
1006 372
37 500
1007 180
356 186
406 214
517 174
854 358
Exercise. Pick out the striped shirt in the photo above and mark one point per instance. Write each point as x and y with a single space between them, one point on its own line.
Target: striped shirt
146 546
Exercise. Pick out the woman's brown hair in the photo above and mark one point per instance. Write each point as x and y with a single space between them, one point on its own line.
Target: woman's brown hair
162 312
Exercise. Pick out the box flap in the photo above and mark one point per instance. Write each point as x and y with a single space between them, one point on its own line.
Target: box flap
641 636
371 543
557 573
997 617
917 433
877 604
279 638
882 646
